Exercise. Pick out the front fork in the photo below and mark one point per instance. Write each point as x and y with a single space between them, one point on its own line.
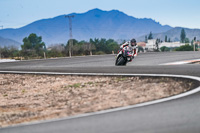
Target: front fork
129 59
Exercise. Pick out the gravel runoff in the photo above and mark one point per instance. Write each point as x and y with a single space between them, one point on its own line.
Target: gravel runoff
27 98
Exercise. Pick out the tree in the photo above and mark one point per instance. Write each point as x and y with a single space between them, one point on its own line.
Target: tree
105 46
146 39
113 46
150 35
165 38
157 45
33 46
182 36
194 43
57 50
184 48
9 52
169 40
164 48
4 52
187 40
88 48
73 47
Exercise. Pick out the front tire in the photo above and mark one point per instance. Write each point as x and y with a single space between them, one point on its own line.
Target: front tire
120 61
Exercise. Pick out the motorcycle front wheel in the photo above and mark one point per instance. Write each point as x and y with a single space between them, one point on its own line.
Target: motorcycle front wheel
120 61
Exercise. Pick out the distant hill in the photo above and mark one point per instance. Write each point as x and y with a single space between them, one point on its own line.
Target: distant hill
92 24
174 34
8 42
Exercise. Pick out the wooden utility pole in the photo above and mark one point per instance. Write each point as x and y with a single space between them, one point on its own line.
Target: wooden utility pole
70 33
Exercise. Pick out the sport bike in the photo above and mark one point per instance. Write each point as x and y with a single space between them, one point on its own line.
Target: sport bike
124 56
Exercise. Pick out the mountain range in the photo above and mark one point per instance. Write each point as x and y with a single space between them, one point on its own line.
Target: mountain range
174 34
95 23
8 42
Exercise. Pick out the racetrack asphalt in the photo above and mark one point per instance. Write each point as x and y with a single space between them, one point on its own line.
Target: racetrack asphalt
181 115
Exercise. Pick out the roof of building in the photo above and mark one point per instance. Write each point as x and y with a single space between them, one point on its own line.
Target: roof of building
142 44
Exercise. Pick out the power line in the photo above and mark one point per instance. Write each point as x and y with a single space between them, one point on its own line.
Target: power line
70 33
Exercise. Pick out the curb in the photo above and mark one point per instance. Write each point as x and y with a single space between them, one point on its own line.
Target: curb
182 62
61 58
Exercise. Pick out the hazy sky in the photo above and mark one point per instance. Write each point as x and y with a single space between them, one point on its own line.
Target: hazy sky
184 13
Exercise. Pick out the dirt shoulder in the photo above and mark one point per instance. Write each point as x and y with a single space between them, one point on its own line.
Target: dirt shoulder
25 98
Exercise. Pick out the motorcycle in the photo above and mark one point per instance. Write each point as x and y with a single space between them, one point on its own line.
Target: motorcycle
124 56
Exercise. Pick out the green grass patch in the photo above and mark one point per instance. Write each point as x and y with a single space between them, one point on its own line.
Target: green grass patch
77 85
121 79
90 83
5 95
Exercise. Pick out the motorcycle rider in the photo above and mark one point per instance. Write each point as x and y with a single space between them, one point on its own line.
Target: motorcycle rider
132 43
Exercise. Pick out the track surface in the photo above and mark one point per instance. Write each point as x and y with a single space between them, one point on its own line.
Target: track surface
175 116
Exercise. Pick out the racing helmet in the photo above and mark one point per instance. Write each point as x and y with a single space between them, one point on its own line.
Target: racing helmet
133 42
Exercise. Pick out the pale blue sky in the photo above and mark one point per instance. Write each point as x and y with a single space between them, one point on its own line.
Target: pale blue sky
184 13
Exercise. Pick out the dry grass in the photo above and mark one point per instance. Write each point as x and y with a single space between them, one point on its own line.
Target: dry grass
25 98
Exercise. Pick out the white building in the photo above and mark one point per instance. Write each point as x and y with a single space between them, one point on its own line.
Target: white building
151 44
171 44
